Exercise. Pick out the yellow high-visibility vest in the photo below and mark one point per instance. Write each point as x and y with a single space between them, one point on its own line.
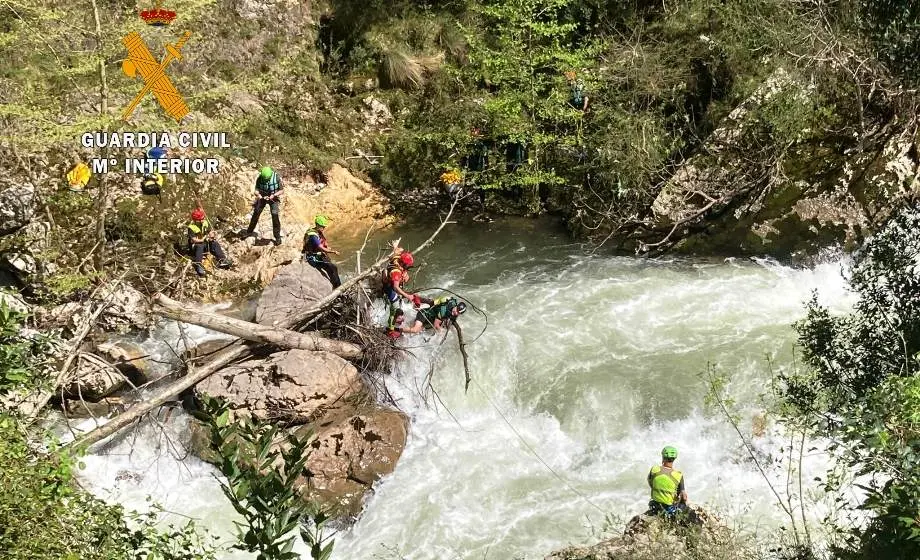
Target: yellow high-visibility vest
665 483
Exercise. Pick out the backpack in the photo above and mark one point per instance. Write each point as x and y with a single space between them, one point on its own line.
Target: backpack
151 183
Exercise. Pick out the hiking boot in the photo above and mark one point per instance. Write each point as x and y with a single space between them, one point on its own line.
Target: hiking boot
277 242
199 270
224 264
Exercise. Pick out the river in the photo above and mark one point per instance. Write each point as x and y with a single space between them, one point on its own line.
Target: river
589 364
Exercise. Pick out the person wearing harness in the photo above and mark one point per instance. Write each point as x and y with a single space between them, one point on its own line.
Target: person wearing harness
201 239
268 192
396 275
669 495
440 313
316 251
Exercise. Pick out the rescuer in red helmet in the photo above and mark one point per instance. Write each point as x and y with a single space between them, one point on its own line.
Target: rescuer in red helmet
201 240
397 275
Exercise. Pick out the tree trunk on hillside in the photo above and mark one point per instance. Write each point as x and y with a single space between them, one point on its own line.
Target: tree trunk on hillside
173 309
101 205
235 352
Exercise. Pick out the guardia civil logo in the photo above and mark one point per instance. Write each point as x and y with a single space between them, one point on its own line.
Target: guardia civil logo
140 63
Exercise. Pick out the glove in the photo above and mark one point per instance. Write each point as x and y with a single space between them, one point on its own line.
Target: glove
416 301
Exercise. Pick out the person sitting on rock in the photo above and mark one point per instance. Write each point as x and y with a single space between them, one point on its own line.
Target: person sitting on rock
669 495
316 251
440 313
202 239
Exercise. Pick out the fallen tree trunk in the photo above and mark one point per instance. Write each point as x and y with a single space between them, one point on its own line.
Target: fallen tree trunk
173 309
235 352
220 360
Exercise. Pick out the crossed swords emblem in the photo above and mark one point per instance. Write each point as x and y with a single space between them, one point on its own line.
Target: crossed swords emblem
140 61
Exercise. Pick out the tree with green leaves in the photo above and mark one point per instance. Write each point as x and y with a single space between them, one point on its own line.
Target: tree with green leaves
861 389
526 60
264 469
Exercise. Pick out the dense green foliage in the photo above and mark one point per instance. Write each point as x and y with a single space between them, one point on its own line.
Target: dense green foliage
22 357
861 389
43 513
894 28
264 470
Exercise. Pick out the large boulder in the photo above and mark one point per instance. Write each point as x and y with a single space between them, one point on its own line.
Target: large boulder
93 378
352 450
125 310
291 385
17 206
131 359
295 287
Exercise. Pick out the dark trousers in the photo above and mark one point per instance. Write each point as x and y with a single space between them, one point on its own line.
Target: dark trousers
325 266
677 512
274 208
213 247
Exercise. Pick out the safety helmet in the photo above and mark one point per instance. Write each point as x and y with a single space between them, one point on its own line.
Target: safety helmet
197 214
266 172
406 259
156 152
669 452
321 221
461 307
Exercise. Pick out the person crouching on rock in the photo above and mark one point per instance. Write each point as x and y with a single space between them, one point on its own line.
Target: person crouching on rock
441 313
201 240
316 251
669 495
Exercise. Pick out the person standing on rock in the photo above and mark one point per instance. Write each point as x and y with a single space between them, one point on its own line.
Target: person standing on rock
316 251
669 495
268 192
201 240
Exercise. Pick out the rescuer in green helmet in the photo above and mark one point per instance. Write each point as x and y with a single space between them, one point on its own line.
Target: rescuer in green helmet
316 251
669 497
268 193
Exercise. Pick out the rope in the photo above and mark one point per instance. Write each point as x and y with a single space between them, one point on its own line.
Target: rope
468 302
574 490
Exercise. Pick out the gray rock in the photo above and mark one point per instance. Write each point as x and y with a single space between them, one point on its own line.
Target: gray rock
93 378
22 264
130 359
296 286
17 206
292 384
653 537
14 302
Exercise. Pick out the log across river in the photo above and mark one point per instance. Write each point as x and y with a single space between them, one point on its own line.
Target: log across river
595 361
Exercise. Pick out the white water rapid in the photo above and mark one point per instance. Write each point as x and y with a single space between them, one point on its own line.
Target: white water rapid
595 361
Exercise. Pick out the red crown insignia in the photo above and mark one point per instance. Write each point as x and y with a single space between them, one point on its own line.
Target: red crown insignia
158 16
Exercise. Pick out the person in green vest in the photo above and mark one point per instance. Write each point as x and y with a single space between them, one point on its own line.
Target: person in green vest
440 313
268 193
316 251
202 239
669 493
